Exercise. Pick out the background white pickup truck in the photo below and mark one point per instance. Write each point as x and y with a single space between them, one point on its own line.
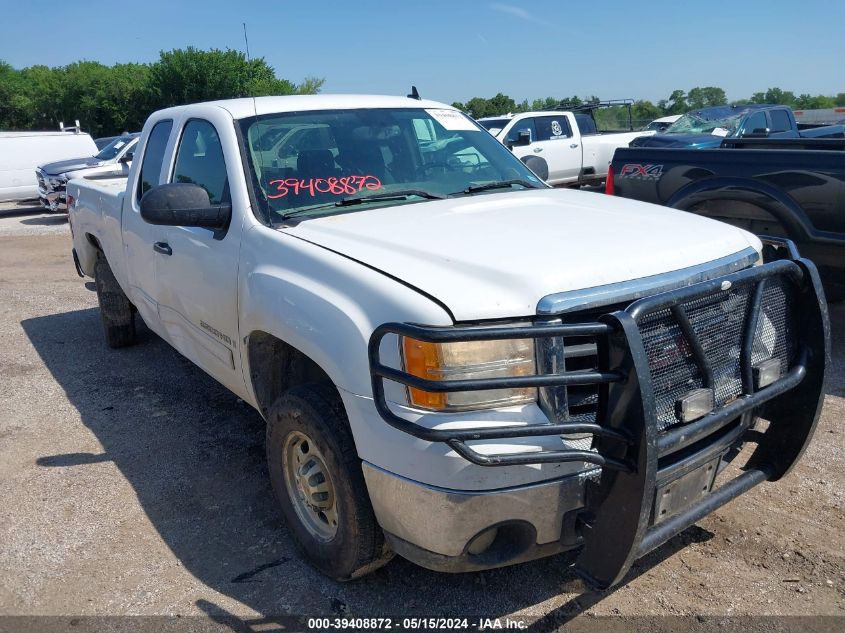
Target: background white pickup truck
561 147
456 362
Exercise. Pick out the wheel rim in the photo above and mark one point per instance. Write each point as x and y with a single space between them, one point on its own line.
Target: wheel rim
310 486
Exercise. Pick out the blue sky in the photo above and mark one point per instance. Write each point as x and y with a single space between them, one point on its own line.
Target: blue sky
454 50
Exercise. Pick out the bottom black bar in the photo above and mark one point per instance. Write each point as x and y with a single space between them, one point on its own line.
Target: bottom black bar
658 535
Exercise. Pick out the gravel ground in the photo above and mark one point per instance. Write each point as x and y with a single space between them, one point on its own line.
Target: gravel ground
131 483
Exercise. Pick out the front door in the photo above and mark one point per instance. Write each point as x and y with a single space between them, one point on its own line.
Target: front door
196 268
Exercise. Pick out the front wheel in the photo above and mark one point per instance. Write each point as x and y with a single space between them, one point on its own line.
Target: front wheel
317 479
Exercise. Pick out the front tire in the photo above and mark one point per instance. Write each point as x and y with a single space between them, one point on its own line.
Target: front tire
317 479
538 165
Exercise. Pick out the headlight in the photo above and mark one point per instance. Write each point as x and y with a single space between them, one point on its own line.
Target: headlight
464 361
58 182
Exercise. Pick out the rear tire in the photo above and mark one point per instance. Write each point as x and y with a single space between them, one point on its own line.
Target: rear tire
317 479
116 311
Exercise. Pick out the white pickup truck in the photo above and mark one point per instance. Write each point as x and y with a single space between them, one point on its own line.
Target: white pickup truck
563 148
456 362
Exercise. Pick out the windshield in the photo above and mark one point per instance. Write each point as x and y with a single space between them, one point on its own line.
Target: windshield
696 123
315 163
494 126
113 149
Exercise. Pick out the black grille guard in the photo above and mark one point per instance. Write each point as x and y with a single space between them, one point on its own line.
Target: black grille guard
617 524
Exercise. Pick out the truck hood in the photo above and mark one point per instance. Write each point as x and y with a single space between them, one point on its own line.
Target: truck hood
496 255
697 141
72 164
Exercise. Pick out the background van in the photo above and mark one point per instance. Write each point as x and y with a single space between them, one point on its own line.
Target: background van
22 152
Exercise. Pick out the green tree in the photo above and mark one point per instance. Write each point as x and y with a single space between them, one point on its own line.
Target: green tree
677 103
190 75
776 96
709 96
810 102
644 112
501 104
110 99
478 107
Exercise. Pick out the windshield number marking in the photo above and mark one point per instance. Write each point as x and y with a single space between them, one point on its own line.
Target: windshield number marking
343 186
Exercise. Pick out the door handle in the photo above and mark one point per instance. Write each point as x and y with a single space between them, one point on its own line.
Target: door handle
537 150
574 145
163 248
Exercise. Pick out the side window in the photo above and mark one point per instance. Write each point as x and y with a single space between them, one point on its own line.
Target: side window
424 130
780 121
756 121
154 156
519 126
199 160
552 128
587 125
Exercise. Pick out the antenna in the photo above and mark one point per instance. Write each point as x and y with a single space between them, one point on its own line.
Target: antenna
414 94
246 41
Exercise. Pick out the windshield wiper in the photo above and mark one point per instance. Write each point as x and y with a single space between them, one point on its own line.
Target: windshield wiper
385 195
303 210
402 194
501 184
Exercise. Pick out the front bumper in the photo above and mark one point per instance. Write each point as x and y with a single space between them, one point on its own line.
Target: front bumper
435 527
656 477
51 193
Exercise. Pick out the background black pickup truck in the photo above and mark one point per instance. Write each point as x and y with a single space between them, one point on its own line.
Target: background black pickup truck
791 188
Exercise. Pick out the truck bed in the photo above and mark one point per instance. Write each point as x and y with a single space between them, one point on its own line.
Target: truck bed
96 209
797 192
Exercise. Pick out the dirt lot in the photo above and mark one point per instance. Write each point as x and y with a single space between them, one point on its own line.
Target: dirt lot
131 483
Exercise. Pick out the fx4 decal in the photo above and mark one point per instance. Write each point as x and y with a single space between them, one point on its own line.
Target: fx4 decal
641 172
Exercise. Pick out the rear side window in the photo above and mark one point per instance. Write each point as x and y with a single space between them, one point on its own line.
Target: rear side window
552 128
780 121
587 126
200 161
154 156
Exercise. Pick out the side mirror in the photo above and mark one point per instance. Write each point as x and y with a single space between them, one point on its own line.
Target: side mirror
127 157
757 132
522 139
183 204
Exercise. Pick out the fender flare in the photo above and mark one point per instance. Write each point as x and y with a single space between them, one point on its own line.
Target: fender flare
761 194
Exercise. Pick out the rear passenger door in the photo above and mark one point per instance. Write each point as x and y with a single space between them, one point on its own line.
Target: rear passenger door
138 236
197 268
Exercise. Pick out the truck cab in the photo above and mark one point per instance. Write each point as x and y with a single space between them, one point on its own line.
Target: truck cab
706 128
562 147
